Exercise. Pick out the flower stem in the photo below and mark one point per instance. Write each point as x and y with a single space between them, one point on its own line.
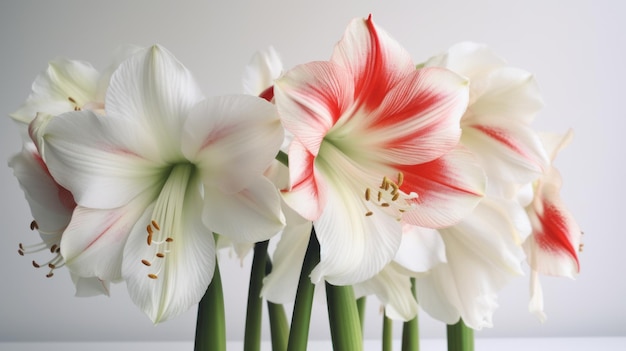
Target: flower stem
345 325
254 312
301 318
361 302
279 327
211 321
410 330
460 337
282 158
387 333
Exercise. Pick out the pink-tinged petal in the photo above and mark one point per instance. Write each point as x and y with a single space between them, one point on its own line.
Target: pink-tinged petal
104 162
155 89
418 120
354 247
556 239
164 287
250 215
448 189
93 243
311 98
375 61
281 284
308 192
393 289
51 205
509 151
232 139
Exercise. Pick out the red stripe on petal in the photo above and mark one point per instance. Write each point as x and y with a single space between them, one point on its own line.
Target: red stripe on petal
502 137
554 234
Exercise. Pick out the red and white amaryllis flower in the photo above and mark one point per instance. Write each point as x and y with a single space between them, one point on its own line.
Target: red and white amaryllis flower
158 174
552 248
375 143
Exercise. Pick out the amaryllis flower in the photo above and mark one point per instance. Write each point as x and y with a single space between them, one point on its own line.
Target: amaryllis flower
552 248
374 144
503 101
157 175
51 207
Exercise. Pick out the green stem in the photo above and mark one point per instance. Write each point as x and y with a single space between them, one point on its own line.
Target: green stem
210 324
387 333
343 316
361 302
254 312
301 318
410 330
460 337
282 158
279 327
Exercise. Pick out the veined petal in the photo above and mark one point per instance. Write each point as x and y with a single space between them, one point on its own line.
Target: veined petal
168 268
104 162
93 242
448 189
553 247
261 72
508 150
250 215
281 284
311 98
308 192
155 89
418 120
354 247
232 139
375 61
50 204
393 289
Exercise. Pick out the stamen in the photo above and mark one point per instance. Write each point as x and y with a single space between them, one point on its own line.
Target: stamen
146 262
155 225
152 276
367 194
369 213
169 240
35 264
400 178
72 100
580 247
149 238
395 196
160 255
34 225
392 197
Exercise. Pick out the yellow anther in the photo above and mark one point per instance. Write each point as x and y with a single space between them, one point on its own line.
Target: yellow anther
384 204
155 225
152 276
395 196
400 178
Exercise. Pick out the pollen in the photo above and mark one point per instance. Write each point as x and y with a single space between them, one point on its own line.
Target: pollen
390 197
157 239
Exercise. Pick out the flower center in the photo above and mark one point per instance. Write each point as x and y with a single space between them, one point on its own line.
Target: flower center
390 197
167 218
52 245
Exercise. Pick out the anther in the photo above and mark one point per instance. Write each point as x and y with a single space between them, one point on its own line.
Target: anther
152 276
169 240
580 247
20 252
369 213
51 266
71 100
49 275
36 265
400 178
367 194
34 225
380 196
160 255
395 196
54 248
146 262
384 204
155 225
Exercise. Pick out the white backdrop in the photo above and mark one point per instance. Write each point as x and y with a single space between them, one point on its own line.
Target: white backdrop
575 48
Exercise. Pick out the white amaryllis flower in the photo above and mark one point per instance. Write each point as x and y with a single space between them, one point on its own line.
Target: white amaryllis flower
374 143
552 248
503 101
155 176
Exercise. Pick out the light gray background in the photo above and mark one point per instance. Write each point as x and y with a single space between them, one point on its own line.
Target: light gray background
575 48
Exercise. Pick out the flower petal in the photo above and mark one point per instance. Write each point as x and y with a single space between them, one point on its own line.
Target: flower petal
250 215
155 89
448 189
92 286
261 72
421 249
375 61
185 271
93 243
232 139
101 160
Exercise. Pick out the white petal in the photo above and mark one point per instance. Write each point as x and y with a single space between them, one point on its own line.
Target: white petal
104 162
260 73
251 215
421 249
232 139
185 271
92 286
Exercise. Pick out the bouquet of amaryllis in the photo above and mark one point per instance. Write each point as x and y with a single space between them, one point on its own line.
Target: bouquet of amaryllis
422 184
